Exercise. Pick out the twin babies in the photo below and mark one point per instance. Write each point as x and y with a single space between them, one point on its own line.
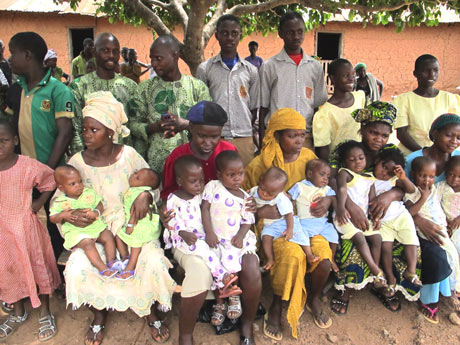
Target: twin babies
77 197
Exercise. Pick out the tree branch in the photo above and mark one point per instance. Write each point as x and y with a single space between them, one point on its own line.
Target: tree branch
158 3
150 18
238 10
178 6
210 27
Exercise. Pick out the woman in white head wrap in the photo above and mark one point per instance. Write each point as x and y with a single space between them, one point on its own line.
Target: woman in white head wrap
105 166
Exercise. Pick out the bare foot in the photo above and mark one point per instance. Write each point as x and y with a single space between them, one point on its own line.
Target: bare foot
269 264
312 259
334 266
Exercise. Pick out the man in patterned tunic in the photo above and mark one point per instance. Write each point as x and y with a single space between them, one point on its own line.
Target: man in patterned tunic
162 104
103 78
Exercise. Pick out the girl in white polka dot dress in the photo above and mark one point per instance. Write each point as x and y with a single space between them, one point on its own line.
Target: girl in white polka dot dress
185 230
226 221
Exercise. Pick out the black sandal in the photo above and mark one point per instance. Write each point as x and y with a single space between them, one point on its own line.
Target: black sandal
338 302
387 301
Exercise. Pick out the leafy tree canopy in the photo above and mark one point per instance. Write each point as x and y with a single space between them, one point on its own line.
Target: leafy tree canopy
198 18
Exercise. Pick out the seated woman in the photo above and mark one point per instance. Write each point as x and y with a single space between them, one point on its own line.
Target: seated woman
283 148
445 134
207 119
105 167
376 125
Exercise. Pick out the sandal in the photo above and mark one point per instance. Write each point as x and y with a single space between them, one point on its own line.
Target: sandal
115 264
114 272
218 314
234 306
156 325
6 329
119 275
96 329
49 324
337 304
7 307
380 281
413 278
433 313
390 290
268 334
246 341
387 301
325 325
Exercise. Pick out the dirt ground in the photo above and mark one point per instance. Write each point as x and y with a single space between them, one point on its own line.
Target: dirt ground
366 323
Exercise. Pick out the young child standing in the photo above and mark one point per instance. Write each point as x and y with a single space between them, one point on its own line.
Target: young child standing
146 229
426 202
449 190
306 194
331 123
226 221
27 259
397 222
353 183
76 196
270 191
185 230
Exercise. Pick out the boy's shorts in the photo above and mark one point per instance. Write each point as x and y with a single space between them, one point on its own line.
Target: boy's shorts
349 230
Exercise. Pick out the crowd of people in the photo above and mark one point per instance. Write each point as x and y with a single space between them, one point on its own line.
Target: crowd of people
248 167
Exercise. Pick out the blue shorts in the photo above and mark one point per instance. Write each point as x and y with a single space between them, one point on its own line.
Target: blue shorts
320 226
277 228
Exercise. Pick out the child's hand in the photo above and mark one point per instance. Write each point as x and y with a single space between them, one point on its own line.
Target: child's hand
342 216
455 224
36 206
237 241
189 237
129 229
250 204
212 240
376 224
425 192
288 234
399 172
68 216
93 215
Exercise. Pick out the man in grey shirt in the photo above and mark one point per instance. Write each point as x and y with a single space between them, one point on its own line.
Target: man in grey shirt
234 85
291 79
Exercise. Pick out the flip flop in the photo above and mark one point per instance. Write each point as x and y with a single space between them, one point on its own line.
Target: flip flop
325 326
432 312
267 334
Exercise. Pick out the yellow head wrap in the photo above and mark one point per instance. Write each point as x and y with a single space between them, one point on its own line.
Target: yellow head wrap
103 107
284 118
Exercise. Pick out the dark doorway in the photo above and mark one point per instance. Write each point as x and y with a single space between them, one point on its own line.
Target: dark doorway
77 36
328 45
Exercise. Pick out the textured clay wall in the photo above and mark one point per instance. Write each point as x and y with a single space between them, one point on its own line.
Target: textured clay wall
389 55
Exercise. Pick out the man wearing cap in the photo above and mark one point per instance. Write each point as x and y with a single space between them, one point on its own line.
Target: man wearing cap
234 84
206 122
162 103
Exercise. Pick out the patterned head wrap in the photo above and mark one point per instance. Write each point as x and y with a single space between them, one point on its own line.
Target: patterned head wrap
376 112
103 107
50 54
360 65
284 118
443 121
